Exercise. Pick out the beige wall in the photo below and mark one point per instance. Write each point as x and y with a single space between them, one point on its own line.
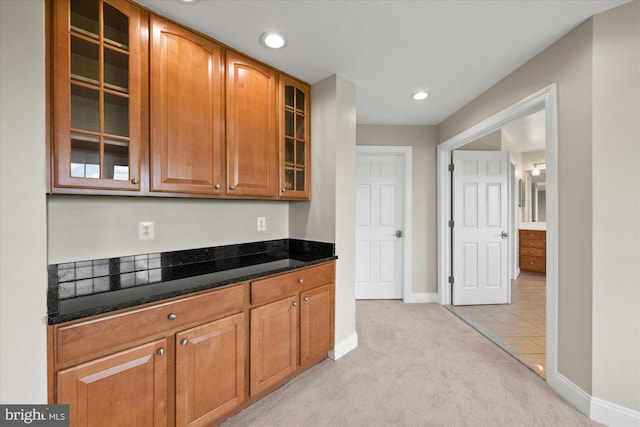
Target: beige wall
23 241
490 142
568 63
330 215
616 206
93 227
423 139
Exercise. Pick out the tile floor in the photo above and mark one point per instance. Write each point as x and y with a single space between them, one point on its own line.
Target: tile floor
518 327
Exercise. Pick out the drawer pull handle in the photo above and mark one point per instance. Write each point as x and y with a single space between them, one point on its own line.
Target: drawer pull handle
531 262
184 342
172 316
306 298
531 244
301 281
161 352
217 186
295 304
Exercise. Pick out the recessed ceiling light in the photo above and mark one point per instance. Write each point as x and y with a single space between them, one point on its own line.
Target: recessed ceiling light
273 40
419 96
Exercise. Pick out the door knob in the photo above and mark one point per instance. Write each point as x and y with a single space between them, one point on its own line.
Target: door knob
504 235
398 233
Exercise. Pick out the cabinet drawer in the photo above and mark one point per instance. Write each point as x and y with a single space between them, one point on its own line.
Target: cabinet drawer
112 332
532 234
533 263
531 251
283 285
528 243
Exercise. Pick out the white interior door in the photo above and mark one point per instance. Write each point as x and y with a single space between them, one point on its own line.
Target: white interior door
480 231
379 216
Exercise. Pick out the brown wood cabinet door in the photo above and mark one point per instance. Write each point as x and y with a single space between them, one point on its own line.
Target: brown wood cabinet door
316 323
98 60
210 370
187 154
274 344
128 388
252 162
294 137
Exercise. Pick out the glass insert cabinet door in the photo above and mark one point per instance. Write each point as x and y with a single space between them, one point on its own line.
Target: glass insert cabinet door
97 60
295 138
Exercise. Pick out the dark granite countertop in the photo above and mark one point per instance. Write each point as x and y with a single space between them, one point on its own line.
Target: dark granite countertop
85 288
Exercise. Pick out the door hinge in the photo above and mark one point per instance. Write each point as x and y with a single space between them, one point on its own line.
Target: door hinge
451 279
451 223
451 167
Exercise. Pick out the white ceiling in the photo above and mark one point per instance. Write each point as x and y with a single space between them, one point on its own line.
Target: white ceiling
455 50
528 132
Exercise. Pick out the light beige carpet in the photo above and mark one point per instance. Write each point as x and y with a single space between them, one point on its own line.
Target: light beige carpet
416 365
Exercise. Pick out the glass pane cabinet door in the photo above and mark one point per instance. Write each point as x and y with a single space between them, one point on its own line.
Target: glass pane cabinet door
294 139
97 60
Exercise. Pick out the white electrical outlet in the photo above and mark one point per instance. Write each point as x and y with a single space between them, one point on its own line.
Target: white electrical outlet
262 223
146 230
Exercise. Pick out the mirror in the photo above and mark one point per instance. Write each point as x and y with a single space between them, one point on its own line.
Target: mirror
535 200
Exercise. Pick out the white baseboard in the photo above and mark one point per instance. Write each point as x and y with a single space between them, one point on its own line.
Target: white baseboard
597 409
576 396
422 297
345 346
613 415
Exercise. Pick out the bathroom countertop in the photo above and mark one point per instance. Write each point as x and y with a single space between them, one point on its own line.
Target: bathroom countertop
86 288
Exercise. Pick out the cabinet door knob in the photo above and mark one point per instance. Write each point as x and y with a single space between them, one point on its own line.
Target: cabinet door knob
295 304
184 342
283 189
161 352
232 187
172 316
217 186
134 181
301 280
306 298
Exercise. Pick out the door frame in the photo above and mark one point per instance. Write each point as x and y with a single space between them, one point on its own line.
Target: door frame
545 99
406 152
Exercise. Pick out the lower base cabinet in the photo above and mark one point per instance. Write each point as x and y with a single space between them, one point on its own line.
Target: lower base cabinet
274 328
316 324
128 388
293 332
210 371
185 362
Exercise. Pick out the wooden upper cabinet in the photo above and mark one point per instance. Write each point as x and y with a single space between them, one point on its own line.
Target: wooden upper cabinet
252 150
98 60
186 91
294 136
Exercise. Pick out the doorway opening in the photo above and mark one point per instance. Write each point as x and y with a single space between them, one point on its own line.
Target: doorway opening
533 289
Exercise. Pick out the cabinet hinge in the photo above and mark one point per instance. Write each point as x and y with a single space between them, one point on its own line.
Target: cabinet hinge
450 223
451 279
451 167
